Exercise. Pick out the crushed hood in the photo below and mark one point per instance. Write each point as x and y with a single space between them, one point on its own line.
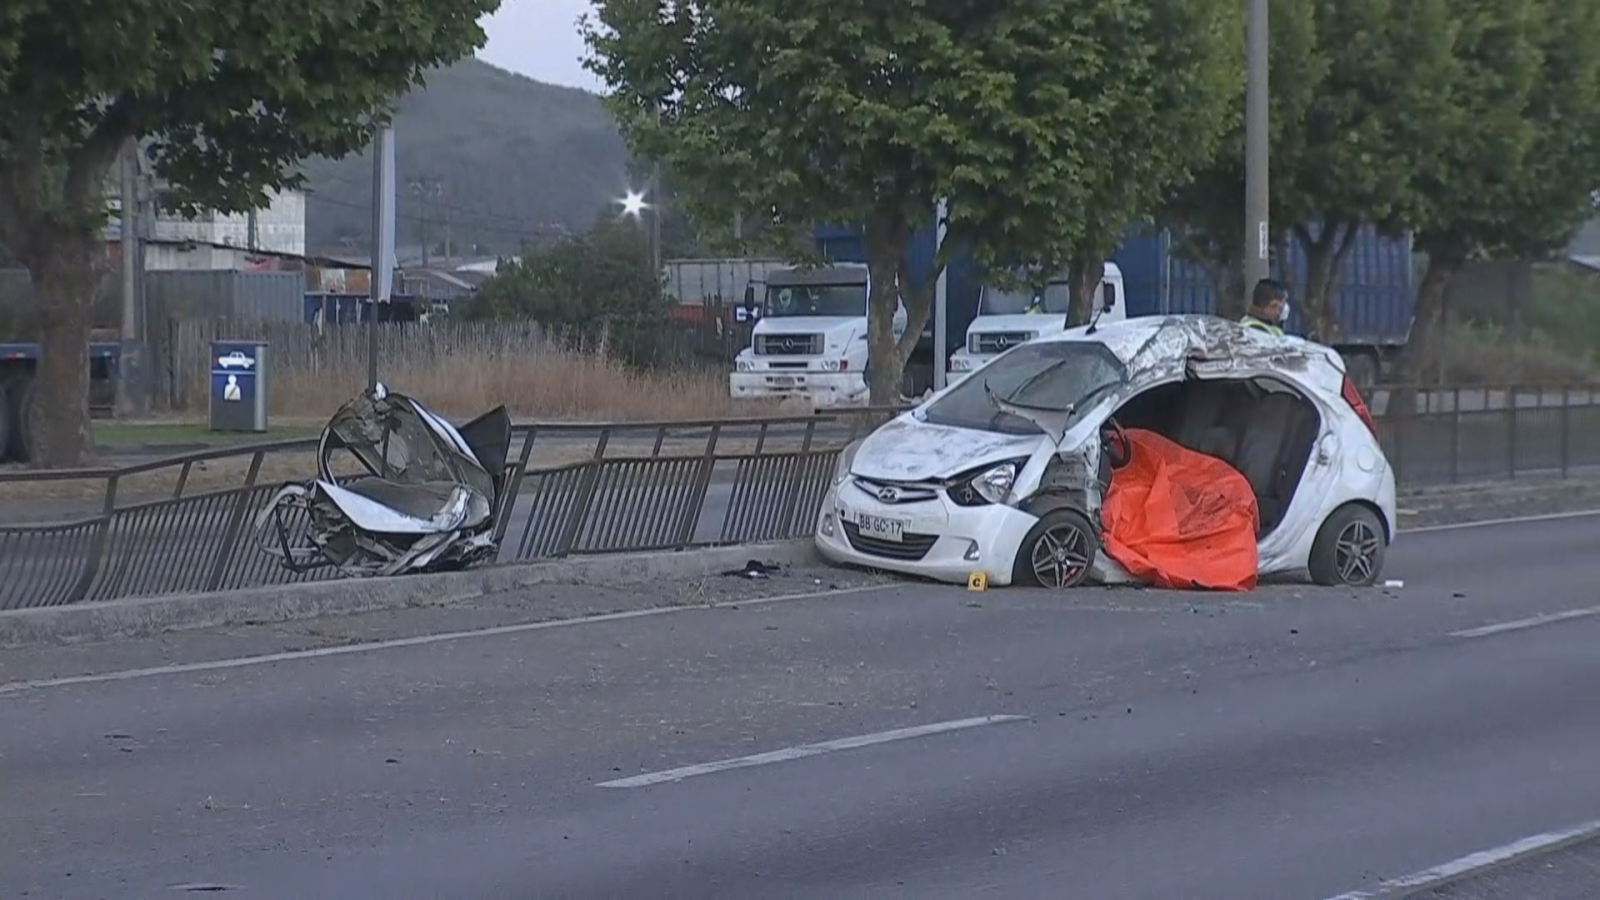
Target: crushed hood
908 450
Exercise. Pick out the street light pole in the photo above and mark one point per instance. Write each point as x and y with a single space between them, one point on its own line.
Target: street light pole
1257 233
383 260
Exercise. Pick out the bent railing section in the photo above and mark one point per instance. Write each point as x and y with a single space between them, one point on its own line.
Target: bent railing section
187 524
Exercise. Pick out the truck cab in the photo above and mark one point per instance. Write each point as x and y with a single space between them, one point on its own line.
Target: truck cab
810 340
1007 319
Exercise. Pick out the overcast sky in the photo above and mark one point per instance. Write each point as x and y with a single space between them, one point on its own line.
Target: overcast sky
539 39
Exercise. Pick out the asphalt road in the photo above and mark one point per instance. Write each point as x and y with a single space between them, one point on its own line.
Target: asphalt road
1290 743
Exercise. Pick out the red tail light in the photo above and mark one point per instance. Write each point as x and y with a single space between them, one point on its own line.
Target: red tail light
1352 396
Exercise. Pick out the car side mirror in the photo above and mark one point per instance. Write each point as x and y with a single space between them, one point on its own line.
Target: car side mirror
1108 296
749 299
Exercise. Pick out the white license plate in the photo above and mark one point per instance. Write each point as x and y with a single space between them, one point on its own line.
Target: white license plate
881 528
781 380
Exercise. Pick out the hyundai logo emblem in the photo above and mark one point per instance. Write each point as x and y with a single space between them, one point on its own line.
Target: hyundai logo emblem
888 494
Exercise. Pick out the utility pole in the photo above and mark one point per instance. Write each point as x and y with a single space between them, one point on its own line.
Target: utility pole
382 242
425 189
1257 230
655 218
251 241
132 399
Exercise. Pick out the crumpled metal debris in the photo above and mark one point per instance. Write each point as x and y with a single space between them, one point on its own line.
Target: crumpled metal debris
428 500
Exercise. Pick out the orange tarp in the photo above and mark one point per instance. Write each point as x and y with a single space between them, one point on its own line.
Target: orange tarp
1176 518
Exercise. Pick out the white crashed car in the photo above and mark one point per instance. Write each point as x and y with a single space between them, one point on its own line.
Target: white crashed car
1005 473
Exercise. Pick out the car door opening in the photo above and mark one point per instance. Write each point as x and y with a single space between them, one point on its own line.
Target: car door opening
1262 427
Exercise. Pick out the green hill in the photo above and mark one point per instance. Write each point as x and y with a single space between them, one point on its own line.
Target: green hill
485 156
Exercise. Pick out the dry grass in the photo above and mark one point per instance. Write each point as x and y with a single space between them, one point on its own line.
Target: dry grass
1485 355
459 369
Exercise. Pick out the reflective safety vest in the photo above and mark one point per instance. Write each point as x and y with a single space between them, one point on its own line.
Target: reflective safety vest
1250 321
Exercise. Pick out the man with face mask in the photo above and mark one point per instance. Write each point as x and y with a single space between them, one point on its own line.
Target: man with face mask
1269 307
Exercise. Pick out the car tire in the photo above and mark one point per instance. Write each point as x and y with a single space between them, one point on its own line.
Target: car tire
1350 548
1058 552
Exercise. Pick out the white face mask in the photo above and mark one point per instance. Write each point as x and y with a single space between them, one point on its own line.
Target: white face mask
1284 316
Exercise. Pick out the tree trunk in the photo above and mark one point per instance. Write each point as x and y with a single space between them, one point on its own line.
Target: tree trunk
1425 330
65 274
1086 275
885 364
1325 255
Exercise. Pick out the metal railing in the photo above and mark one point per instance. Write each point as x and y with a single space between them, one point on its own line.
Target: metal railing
185 524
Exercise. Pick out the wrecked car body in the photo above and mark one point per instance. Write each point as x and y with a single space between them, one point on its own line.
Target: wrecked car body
1008 473
428 500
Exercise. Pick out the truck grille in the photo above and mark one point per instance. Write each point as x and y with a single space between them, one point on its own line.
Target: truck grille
913 548
788 345
998 342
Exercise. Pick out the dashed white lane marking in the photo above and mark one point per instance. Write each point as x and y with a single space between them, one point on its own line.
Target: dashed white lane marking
417 641
1473 862
1529 622
1512 520
806 750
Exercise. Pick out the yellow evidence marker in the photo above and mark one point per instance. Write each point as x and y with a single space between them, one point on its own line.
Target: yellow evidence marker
978 581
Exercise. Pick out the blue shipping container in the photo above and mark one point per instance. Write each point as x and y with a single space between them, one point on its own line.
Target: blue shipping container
1376 299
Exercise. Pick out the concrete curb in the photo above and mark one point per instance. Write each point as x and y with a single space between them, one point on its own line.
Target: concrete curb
142 616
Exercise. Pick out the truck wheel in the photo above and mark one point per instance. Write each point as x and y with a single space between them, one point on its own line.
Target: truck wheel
25 419
6 429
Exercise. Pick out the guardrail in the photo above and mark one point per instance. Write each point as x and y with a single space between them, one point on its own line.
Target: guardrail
185 524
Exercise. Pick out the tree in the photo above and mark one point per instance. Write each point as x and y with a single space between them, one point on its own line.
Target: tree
811 111
597 288
1356 92
224 100
1469 195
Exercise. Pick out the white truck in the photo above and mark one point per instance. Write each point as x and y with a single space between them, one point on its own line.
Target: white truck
810 340
1008 318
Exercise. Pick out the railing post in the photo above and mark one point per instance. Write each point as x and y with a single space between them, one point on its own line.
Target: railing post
702 486
796 469
586 487
241 506
1511 433
514 488
1565 439
98 546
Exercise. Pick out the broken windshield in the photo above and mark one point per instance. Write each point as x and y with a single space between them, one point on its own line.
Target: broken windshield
1048 375
1054 299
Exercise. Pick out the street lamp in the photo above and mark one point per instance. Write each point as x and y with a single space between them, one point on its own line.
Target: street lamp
634 206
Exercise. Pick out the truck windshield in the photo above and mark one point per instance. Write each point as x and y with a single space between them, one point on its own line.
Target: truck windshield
1055 299
1052 375
831 300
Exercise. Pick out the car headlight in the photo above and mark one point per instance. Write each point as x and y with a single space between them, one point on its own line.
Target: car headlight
989 485
830 365
960 363
847 458
743 365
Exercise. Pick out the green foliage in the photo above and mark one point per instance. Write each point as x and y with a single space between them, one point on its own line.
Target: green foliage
514 160
1035 118
1357 95
226 99
594 288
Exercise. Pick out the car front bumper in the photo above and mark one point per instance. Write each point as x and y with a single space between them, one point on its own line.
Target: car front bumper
941 541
